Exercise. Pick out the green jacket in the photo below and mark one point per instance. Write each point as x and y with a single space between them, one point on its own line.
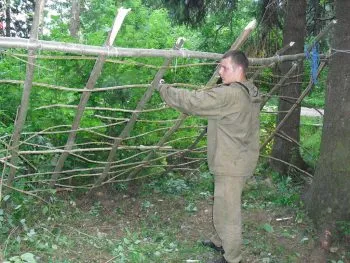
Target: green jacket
233 124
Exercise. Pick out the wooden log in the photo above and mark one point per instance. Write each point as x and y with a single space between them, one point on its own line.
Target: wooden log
9 42
6 42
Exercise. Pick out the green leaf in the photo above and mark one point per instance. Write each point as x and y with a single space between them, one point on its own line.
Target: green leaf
268 228
28 257
16 259
45 210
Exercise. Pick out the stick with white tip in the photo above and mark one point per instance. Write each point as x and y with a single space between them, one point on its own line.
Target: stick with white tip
118 21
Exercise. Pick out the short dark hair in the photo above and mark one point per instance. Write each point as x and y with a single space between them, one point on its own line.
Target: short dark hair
238 57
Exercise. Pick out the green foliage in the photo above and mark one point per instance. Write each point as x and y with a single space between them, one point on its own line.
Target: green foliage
136 248
24 258
19 226
267 227
267 126
316 98
343 228
95 209
310 139
177 184
287 194
273 190
170 184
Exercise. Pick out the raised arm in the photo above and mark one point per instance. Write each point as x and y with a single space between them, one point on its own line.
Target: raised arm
211 103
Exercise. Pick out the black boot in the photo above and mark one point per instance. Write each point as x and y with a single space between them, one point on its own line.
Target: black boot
209 243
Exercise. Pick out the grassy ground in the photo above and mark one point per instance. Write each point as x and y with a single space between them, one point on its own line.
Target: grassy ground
162 220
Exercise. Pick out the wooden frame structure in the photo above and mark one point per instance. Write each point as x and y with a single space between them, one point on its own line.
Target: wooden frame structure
112 170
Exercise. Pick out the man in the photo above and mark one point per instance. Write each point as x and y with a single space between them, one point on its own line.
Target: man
232 110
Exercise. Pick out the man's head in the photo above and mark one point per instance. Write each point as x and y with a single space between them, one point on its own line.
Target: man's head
233 67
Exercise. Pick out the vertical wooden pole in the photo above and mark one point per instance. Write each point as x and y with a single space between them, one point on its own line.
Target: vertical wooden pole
94 75
23 110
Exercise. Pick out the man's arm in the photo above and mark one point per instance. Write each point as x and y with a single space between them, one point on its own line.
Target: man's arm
208 103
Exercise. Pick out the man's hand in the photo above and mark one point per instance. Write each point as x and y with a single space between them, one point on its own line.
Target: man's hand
161 82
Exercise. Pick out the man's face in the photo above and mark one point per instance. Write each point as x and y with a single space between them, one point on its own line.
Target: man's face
228 71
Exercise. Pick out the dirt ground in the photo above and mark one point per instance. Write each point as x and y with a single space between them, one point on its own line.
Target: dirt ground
270 235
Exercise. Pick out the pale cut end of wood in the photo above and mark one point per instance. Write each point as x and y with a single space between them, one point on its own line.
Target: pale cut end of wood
180 40
122 12
251 25
291 44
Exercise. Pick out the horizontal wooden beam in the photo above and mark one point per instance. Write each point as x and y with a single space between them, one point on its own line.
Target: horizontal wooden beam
10 42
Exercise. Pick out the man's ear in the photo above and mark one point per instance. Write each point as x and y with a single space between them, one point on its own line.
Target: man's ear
241 70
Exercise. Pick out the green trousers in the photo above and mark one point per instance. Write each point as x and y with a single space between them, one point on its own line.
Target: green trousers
227 217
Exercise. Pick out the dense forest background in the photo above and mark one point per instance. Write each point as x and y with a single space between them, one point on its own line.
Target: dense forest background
288 169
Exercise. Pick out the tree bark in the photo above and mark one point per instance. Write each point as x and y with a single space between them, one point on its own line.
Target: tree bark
8 19
75 19
315 23
294 30
328 198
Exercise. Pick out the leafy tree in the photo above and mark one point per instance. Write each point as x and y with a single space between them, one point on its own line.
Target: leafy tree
269 32
194 12
75 20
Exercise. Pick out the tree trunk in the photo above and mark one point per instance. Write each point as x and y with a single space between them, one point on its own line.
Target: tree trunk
284 149
75 19
315 18
8 19
329 195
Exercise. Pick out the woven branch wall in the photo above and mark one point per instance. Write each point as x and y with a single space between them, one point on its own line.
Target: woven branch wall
138 136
